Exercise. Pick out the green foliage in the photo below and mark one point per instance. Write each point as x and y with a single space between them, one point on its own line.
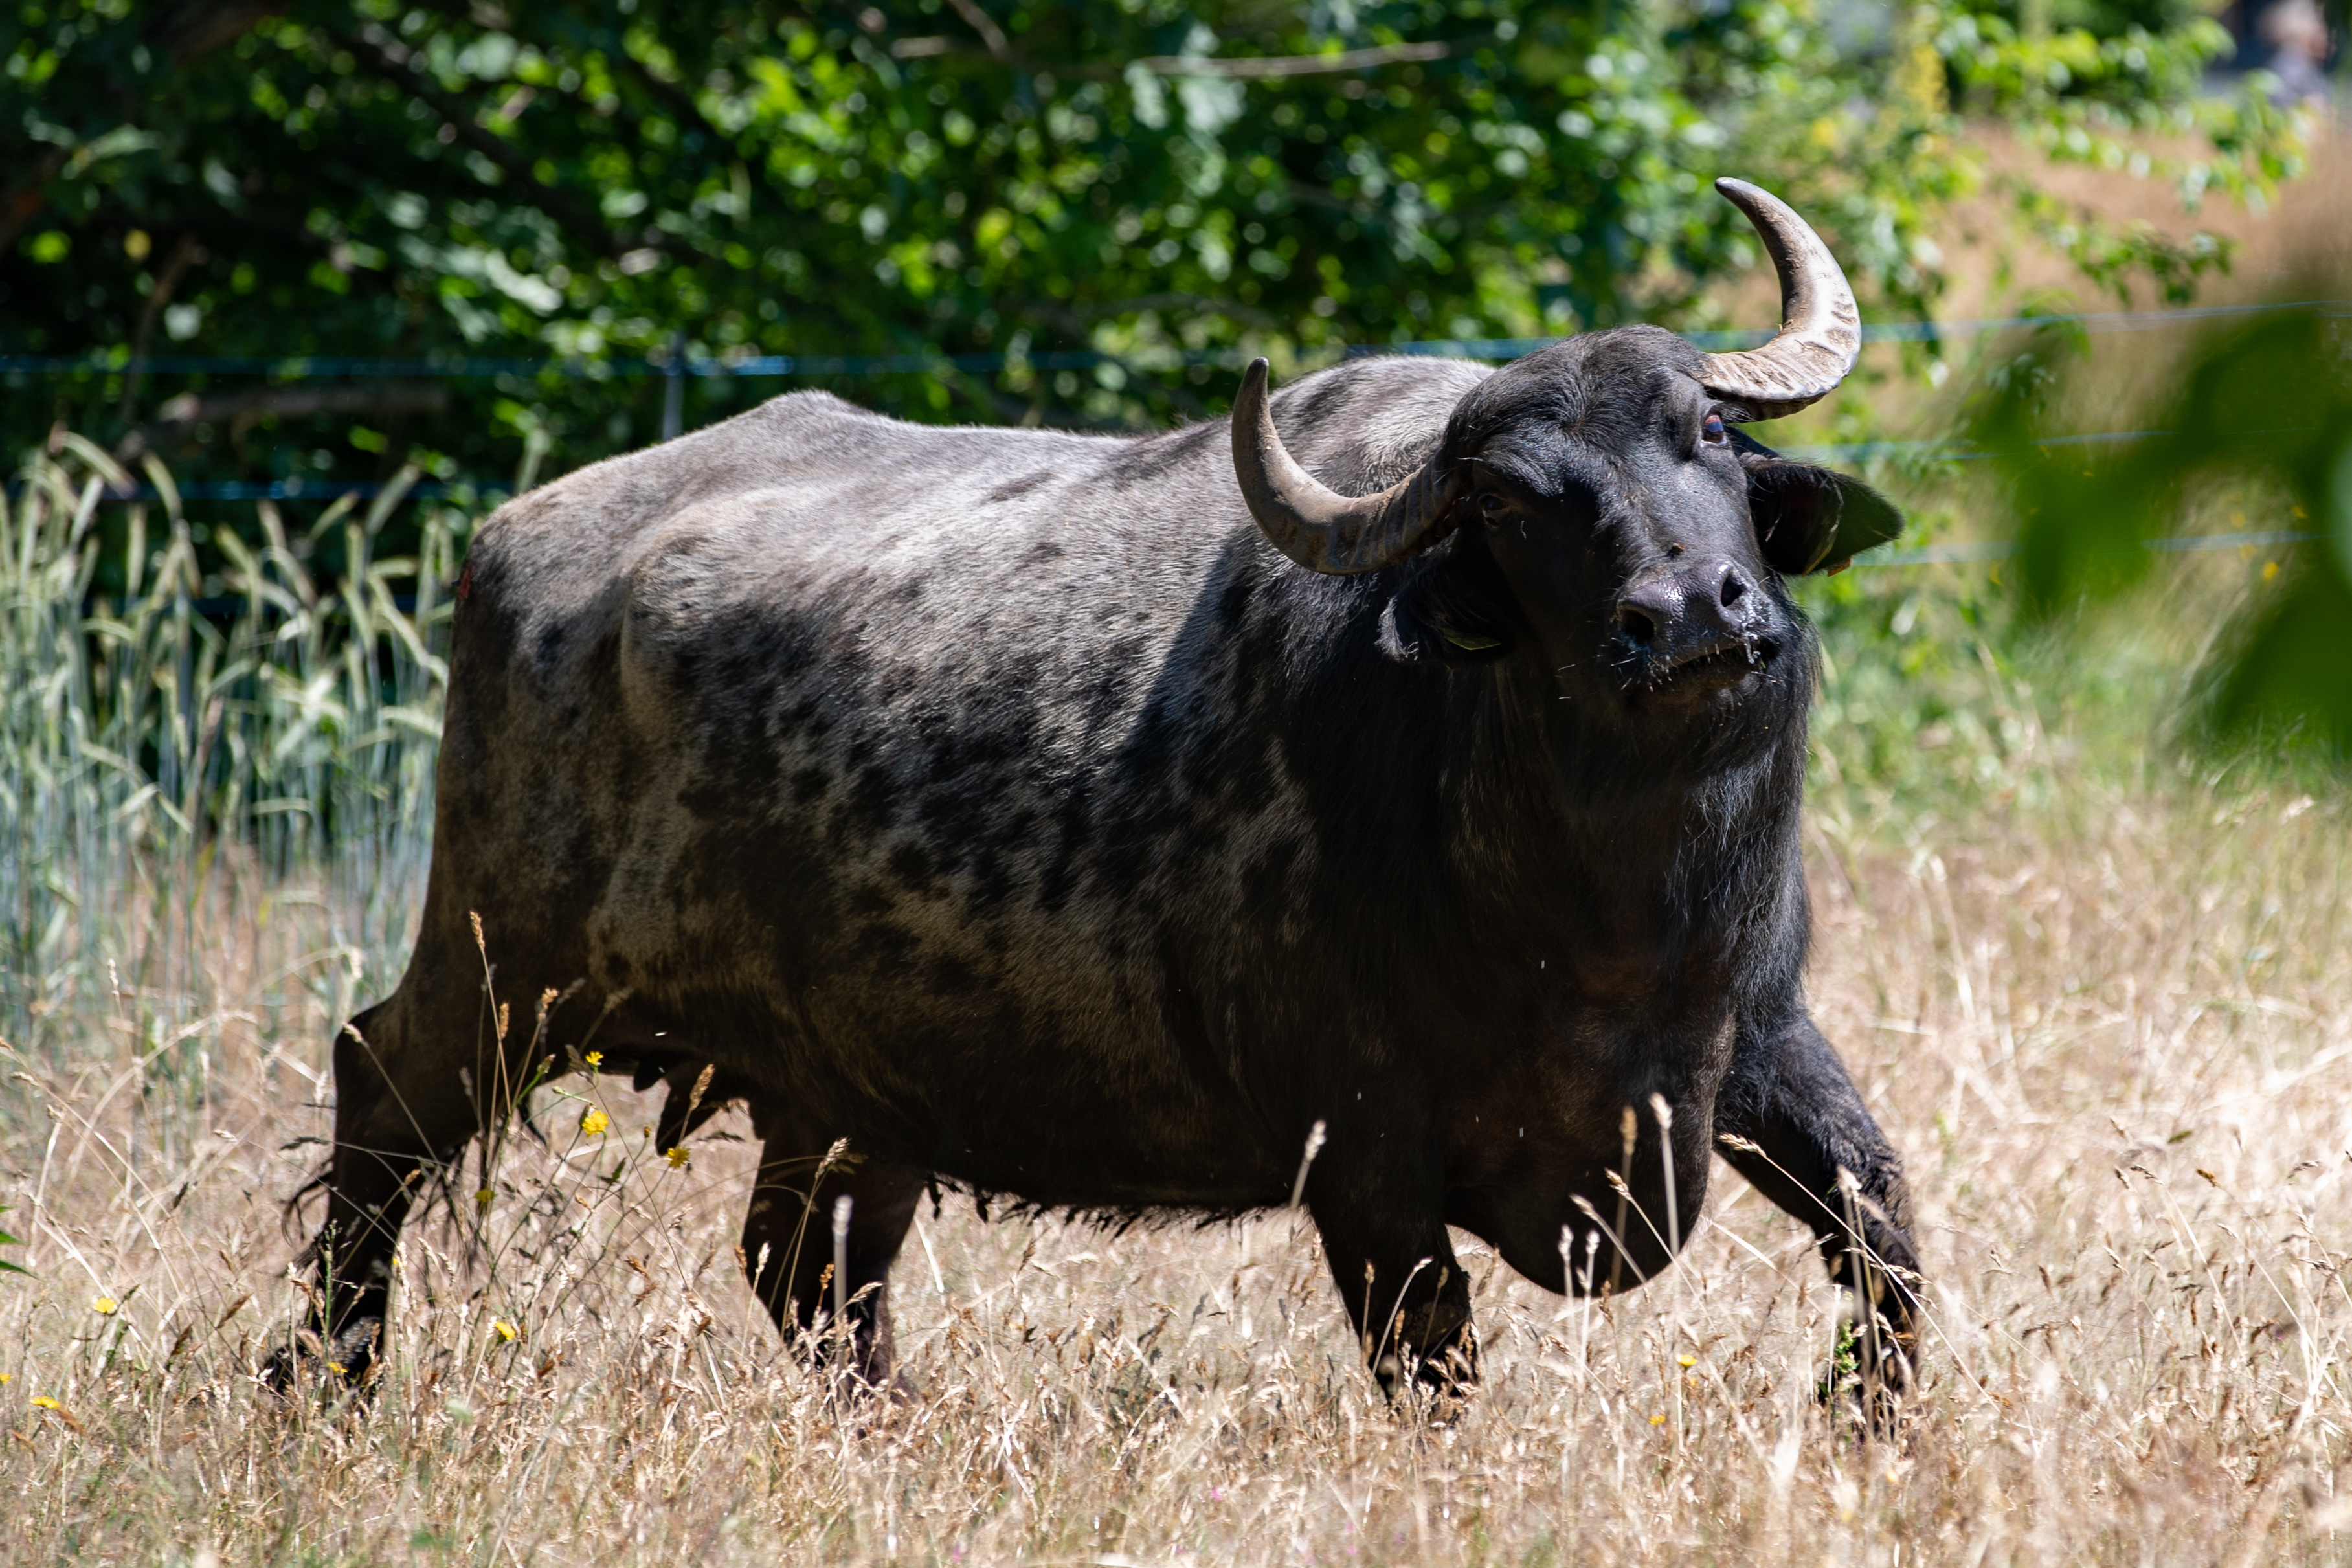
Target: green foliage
1171 184
1921 716
2105 93
2257 420
8 1240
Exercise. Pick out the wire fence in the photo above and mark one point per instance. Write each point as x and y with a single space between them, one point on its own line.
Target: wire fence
1997 550
678 365
673 361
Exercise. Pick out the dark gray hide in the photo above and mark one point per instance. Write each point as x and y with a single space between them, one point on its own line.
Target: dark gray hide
1001 801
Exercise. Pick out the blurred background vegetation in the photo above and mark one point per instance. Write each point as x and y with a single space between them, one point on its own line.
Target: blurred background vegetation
537 205
291 293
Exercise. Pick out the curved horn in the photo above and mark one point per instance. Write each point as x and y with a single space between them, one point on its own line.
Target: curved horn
1315 525
1820 331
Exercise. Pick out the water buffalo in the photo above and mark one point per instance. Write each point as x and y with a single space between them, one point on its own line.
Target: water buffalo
1083 819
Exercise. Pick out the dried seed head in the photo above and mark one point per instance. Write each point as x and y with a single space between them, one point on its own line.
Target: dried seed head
1314 1147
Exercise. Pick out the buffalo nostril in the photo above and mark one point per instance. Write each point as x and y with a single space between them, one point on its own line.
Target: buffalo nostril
1735 587
1641 628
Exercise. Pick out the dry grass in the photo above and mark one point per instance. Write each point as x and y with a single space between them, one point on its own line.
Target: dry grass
2106 1021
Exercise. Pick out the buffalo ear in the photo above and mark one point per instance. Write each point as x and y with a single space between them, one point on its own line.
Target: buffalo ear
1455 610
1808 519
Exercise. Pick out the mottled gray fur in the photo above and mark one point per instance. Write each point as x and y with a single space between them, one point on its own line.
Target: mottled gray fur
1001 801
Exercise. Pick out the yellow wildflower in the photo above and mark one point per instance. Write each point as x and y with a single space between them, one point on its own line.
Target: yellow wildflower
504 1330
1690 1361
484 1196
594 1058
678 1159
43 1402
594 1121
104 1306
1658 1420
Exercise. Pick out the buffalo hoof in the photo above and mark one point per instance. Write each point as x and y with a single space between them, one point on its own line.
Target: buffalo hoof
1870 1390
1436 1387
866 1408
1874 1412
305 1364
871 1385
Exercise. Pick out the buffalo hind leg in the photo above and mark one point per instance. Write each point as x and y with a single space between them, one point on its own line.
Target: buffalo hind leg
1790 1120
1385 1235
788 1245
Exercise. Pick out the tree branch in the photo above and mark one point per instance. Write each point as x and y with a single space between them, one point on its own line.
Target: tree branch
185 254
999 48
1208 303
390 59
1259 67
676 95
182 413
21 205
187 28
1247 67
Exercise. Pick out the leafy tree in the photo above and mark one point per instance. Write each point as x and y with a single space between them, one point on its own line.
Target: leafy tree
1146 188
2255 419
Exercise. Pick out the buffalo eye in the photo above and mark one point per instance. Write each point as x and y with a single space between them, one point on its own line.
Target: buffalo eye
1711 429
1493 506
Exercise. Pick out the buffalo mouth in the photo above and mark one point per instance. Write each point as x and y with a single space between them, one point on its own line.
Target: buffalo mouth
1700 670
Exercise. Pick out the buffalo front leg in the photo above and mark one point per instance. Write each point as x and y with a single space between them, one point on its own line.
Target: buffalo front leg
1790 1120
401 1109
1384 1235
839 1294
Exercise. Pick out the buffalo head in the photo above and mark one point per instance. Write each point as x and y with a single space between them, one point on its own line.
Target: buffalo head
1596 501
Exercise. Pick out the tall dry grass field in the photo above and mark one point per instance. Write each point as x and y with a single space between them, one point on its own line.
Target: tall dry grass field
2101 1006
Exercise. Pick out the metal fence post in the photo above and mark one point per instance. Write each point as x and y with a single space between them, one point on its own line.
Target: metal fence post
673 395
